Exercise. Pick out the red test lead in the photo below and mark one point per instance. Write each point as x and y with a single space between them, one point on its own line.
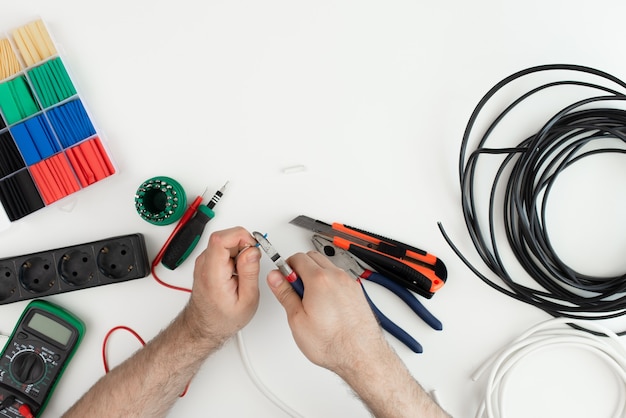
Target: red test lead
25 411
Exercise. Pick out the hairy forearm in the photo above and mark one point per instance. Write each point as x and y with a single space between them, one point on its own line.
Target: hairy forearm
148 383
387 388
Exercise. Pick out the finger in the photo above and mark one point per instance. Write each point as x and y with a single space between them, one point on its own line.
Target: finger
227 243
248 267
284 292
303 265
310 266
321 259
325 263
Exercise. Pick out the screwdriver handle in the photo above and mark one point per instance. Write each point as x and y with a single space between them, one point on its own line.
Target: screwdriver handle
184 242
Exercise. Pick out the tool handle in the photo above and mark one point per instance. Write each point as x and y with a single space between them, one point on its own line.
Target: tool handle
296 283
184 242
396 248
398 271
406 295
362 233
298 286
389 326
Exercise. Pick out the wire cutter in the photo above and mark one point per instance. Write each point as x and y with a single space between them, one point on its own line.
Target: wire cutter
346 261
280 263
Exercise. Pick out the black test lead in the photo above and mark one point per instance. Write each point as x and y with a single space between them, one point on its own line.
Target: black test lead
187 238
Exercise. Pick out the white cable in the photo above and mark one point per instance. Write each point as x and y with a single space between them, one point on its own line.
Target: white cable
243 352
552 333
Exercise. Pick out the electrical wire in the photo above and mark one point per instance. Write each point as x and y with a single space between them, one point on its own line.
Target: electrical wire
106 340
245 358
521 186
138 337
550 334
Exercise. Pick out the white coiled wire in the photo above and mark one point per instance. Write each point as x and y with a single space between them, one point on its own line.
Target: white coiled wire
552 333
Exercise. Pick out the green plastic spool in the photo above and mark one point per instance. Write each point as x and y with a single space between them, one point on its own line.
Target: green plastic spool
160 200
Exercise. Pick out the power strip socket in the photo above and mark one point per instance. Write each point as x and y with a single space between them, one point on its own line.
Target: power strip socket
97 263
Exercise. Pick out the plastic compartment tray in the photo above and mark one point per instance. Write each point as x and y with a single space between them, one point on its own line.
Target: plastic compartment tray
49 146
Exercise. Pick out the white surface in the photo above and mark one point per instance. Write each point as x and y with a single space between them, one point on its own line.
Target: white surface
372 98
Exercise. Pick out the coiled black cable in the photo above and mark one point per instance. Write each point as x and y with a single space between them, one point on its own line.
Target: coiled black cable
523 181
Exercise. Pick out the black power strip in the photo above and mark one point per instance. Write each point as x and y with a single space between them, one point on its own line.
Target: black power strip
72 268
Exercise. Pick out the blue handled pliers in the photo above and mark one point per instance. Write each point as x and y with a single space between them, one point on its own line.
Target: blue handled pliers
346 261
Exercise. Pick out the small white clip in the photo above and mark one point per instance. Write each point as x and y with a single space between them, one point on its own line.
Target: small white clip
294 169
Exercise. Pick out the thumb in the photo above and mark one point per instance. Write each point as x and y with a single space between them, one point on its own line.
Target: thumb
284 292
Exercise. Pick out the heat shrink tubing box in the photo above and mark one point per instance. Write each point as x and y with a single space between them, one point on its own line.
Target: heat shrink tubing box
49 146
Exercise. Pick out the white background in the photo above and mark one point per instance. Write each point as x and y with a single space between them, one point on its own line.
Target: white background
372 99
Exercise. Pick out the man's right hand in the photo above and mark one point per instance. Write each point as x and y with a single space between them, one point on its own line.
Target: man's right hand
335 328
333 323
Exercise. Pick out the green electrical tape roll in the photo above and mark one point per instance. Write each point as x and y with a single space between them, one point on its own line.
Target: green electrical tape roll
160 200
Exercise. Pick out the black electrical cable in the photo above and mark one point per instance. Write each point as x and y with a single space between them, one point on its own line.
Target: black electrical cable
523 181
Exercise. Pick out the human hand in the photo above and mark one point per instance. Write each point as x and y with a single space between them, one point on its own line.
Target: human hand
335 328
332 324
225 291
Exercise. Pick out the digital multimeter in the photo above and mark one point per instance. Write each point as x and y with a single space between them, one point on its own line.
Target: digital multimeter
33 360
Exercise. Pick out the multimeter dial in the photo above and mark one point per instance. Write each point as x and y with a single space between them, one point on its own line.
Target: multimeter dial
27 367
30 366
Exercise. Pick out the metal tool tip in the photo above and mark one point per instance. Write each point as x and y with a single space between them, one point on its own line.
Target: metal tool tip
263 242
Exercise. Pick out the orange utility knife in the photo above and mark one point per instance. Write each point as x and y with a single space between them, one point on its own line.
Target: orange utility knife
411 267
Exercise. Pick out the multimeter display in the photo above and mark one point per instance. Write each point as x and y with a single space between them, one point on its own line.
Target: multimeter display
50 328
34 358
